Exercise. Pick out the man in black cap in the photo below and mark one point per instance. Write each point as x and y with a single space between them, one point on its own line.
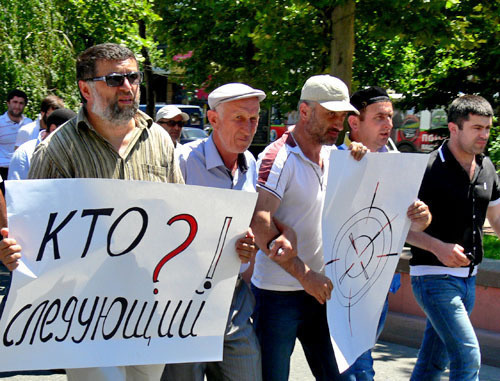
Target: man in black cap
372 127
20 162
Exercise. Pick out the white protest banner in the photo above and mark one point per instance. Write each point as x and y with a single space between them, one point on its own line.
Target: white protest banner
120 272
364 230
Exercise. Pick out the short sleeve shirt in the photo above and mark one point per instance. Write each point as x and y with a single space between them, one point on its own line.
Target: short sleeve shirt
8 134
28 132
458 204
300 186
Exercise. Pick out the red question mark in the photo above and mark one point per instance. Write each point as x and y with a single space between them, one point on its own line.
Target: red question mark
193 229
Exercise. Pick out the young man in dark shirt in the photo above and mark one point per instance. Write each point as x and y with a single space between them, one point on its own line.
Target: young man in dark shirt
461 188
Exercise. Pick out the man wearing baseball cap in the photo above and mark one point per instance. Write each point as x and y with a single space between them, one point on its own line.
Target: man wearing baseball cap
172 119
288 281
223 161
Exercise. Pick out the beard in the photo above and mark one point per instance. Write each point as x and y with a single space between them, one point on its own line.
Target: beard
112 112
15 114
319 132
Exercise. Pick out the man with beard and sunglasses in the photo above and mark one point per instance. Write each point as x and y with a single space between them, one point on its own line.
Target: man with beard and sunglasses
109 138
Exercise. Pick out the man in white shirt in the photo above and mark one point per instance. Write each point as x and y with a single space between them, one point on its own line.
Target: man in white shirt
31 130
10 122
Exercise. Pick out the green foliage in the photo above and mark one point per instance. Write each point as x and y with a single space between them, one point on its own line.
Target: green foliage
273 45
40 39
35 56
430 51
491 246
427 50
493 148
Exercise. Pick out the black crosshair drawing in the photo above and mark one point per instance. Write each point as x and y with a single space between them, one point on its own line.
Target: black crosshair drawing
361 249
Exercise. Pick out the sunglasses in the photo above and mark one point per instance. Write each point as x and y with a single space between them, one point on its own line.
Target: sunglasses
117 79
172 123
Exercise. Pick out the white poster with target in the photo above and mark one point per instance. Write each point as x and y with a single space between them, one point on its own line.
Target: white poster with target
120 272
364 229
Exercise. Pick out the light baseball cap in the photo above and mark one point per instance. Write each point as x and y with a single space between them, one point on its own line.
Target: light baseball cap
330 92
170 112
232 92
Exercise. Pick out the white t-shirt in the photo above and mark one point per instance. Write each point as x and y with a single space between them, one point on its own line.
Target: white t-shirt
8 134
28 132
300 185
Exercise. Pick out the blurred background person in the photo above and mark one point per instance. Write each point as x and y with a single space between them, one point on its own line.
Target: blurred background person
10 122
172 119
20 163
31 130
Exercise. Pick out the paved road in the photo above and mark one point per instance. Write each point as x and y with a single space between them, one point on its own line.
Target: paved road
392 361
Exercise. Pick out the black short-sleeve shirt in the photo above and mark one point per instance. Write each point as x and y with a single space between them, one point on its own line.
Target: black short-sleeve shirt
458 204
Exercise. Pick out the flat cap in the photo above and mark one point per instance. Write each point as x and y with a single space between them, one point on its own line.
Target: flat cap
232 92
330 92
170 112
374 94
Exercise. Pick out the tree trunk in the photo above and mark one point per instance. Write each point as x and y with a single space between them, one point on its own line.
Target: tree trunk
342 46
148 74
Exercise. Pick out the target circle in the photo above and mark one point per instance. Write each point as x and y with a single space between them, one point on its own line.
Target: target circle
358 254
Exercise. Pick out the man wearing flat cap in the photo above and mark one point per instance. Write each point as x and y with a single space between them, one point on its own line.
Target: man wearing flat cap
372 128
223 161
172 119
288 280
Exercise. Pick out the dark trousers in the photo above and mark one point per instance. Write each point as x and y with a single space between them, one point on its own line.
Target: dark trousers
281 317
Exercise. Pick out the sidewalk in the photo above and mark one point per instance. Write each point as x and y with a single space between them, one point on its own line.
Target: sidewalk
393 362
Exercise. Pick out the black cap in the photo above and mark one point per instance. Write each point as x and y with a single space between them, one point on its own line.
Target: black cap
363 98
60 116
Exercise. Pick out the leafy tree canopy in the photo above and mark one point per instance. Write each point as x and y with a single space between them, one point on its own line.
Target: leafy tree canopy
430 51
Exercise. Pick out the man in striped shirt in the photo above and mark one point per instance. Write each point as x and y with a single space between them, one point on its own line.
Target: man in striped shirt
109 138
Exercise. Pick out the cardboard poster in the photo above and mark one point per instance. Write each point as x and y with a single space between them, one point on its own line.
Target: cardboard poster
364 230
120 272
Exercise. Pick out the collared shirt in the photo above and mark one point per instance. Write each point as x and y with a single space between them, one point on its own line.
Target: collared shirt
28 131
201 164
300 185
76 150
458 206
348 141
8 134
20 162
